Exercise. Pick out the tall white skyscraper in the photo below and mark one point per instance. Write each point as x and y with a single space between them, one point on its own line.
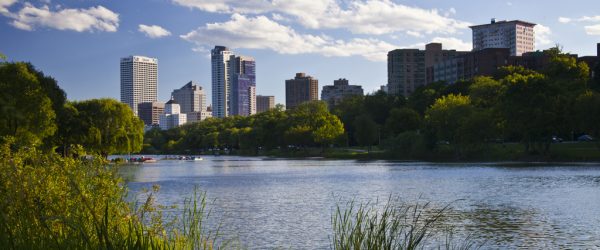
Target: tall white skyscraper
139 80
516 35
220 57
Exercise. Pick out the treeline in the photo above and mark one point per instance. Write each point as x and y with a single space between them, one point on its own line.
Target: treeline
308 125
34 112
516 105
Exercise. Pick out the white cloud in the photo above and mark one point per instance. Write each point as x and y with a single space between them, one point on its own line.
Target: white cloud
542 35
414 33
361 17
153 31
96 18
593 30
564 20
4 4
249 33
453 43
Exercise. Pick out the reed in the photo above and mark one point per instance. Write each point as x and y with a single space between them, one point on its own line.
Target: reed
393 225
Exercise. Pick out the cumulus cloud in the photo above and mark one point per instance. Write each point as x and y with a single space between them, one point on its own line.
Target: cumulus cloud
96 18
4 4
564 20
593 30
542 35
249 32
453 43
360 17
153 31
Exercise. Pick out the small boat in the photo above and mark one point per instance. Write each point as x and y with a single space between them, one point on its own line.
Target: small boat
148 160
197 158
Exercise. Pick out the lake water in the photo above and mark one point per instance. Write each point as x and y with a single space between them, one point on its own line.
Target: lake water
269 203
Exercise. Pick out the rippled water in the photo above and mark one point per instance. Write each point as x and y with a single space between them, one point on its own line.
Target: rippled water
277 203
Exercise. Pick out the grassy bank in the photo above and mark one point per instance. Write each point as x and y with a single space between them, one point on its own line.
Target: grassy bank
497 152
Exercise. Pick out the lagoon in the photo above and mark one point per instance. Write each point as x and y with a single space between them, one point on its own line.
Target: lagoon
266 203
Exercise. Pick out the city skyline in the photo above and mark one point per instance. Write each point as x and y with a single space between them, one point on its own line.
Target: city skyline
327 47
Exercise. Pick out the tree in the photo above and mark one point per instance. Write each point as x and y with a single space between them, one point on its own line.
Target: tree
366 133
347 110
447 115
423 97
111 127
402 120
485 91
587 111
25 110
324 127
531 110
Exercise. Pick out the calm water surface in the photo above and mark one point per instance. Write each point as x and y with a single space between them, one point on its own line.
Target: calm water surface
276 203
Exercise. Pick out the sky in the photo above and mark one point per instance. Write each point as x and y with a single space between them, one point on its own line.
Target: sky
80 42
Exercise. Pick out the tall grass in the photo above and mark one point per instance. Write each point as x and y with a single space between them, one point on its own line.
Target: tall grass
51 202
393 226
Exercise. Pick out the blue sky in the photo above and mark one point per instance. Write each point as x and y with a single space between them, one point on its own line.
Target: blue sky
80 42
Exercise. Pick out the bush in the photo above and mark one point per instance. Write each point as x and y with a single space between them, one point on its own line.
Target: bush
51 202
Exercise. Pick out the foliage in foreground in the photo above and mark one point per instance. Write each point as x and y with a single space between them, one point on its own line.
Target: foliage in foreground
51 202
393 226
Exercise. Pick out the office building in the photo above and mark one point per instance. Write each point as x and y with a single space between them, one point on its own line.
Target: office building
264 103
198 116
190 97
220 57
333 94
466 66
139 80
409 69
242 98
301 89
150 112
172 117
518 36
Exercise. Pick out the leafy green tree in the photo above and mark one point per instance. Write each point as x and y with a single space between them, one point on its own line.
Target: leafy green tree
531 110
447 115
111 127
347 110
367 131
485 91
402 120
424 96
26 112
325 127
379 105
587 110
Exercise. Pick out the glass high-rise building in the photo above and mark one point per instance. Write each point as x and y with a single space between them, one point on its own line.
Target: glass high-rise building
220 57
139 80
243 86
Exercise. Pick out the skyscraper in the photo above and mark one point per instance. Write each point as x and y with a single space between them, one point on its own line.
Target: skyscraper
190 98
517 35
242 98
301 89
220 57
264 103
139 80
